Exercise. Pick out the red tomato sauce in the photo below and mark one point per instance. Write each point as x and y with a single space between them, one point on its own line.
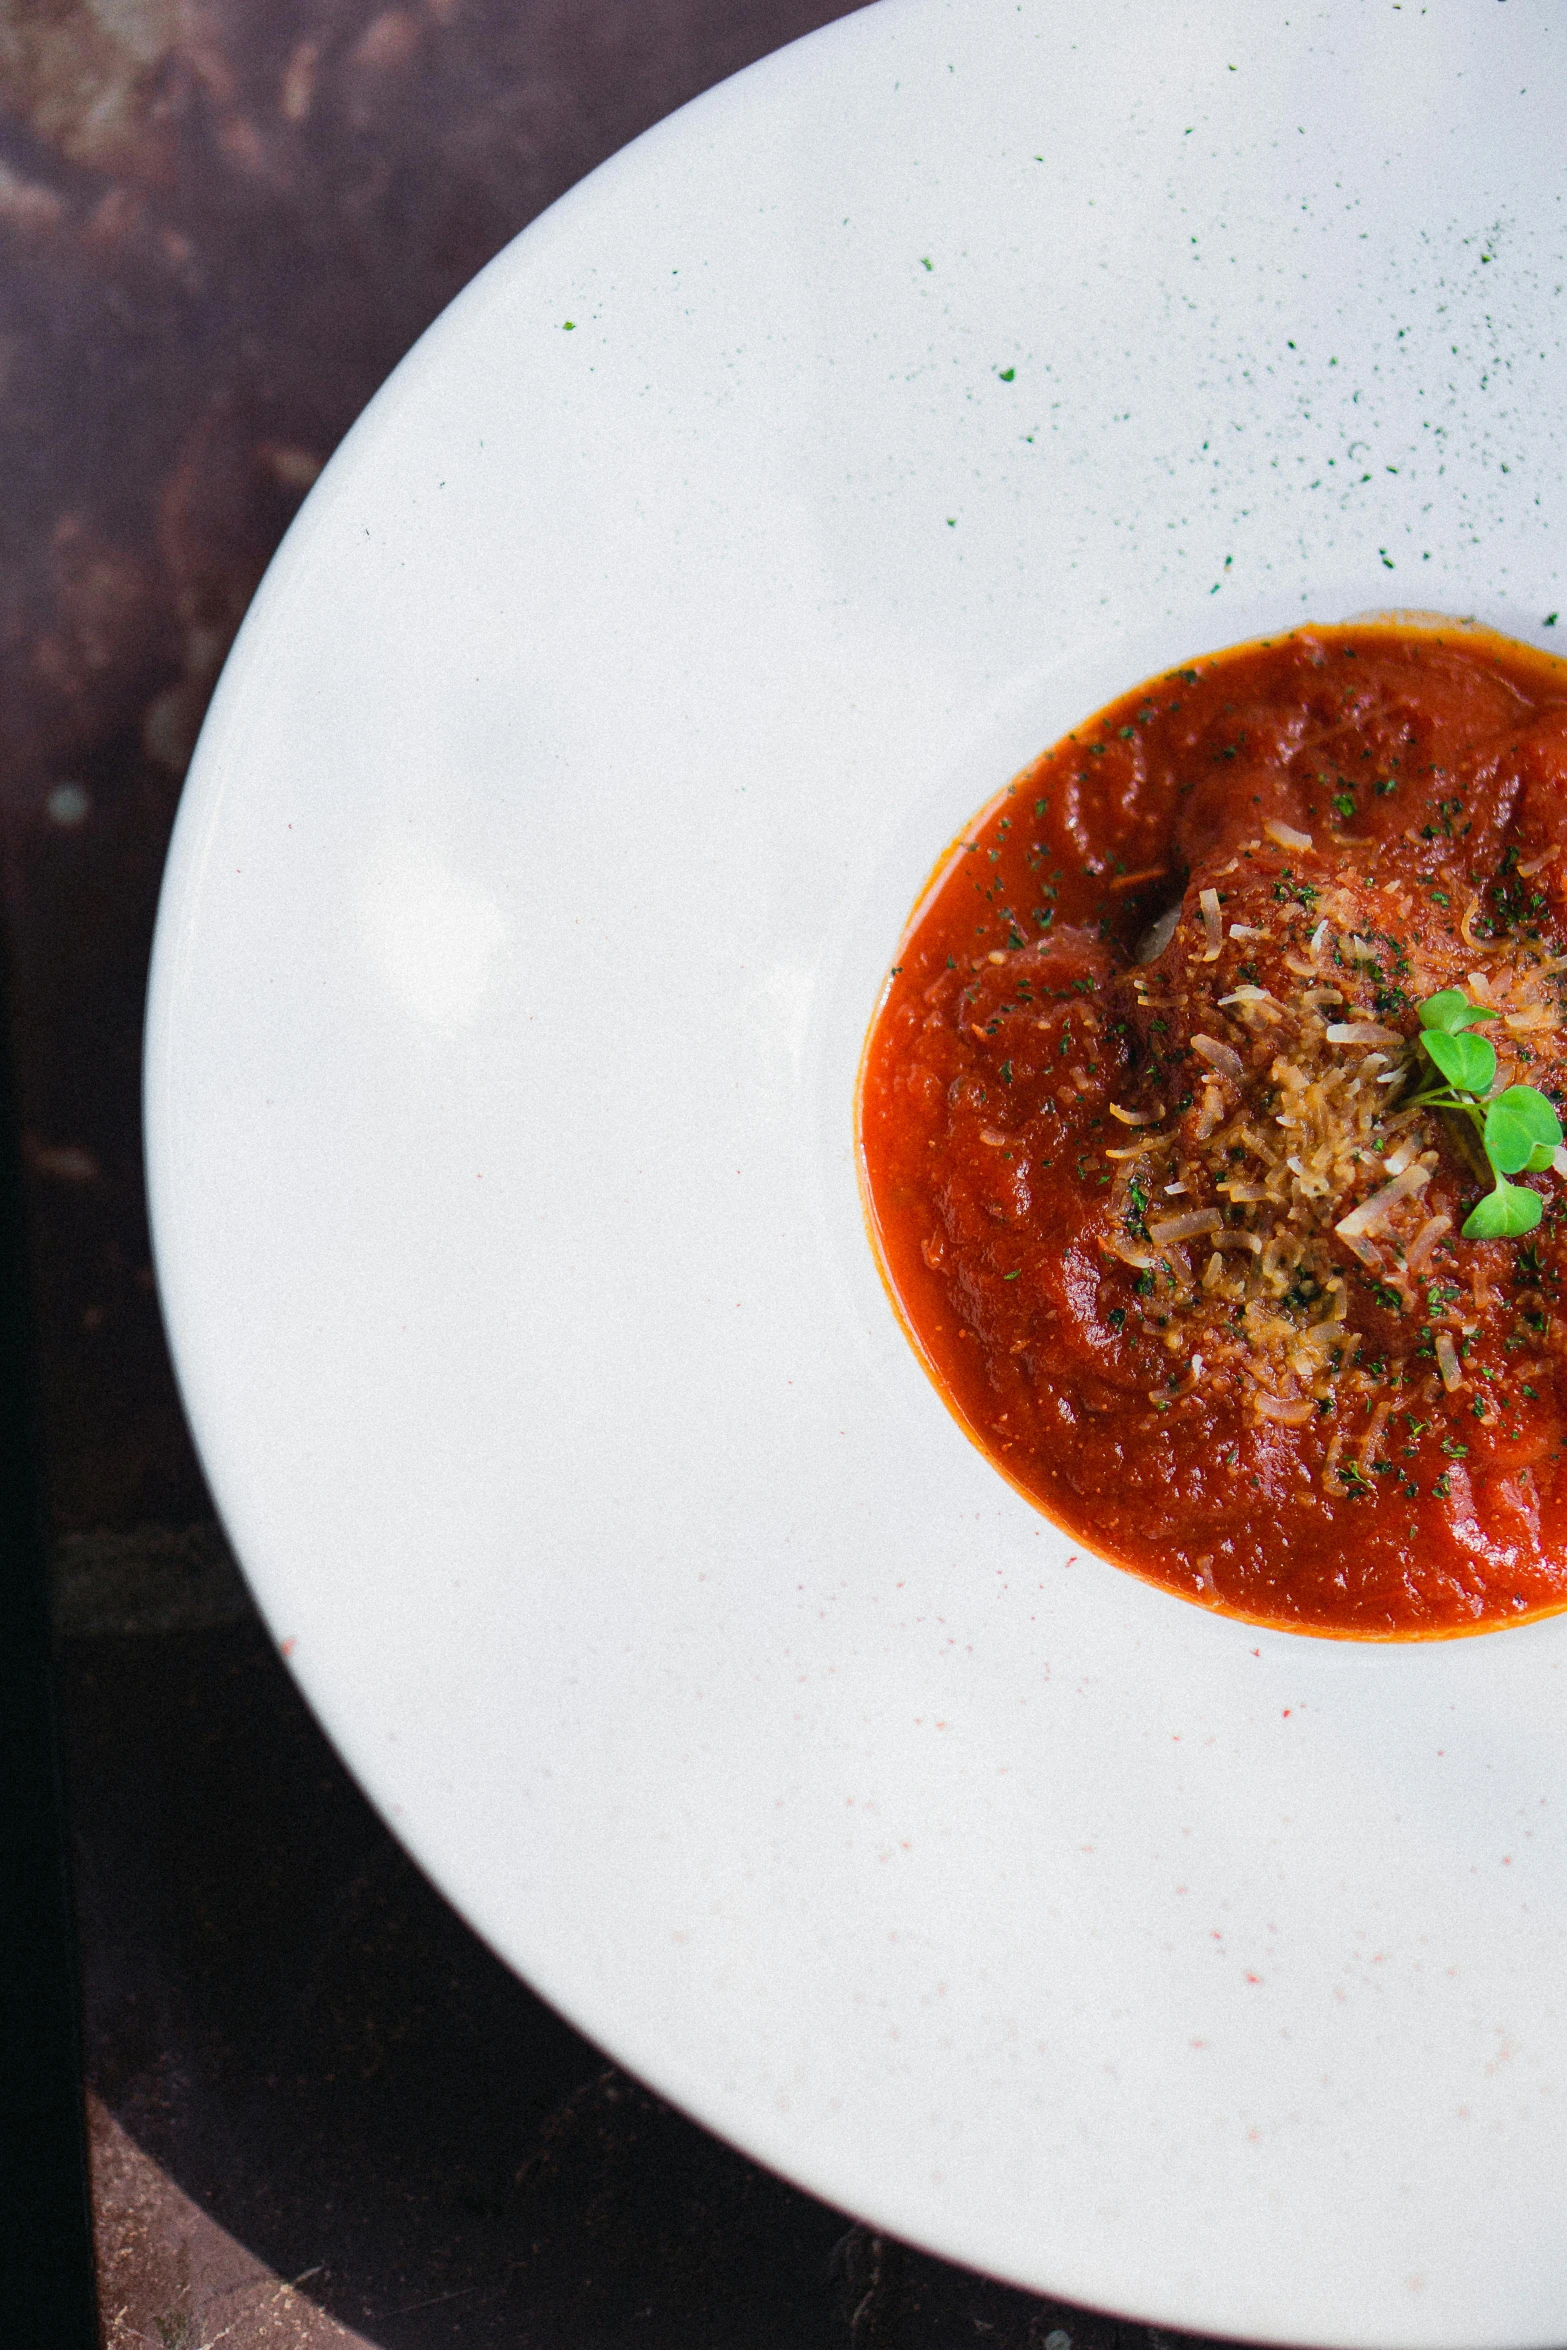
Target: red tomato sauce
1138 1156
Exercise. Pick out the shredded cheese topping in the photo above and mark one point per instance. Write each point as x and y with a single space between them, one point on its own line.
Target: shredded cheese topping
1289 1151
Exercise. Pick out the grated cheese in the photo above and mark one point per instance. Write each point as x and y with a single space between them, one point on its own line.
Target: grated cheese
1222 1057
1291 1125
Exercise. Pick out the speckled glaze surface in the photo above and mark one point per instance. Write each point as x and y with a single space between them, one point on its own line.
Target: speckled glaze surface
735 535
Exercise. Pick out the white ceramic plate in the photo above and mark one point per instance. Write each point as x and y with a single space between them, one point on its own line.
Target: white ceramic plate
732 538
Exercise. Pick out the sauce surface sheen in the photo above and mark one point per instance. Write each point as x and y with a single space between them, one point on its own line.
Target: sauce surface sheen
1111 1123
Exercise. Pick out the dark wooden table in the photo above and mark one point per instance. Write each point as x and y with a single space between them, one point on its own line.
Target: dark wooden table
320 2111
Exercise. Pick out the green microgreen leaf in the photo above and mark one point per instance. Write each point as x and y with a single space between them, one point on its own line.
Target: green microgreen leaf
1503 1213
1539 1111
1517 1124
1520 1129
1451 1011
1465 1060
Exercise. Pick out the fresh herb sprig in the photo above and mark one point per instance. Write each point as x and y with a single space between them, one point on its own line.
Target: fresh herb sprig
1518 1128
